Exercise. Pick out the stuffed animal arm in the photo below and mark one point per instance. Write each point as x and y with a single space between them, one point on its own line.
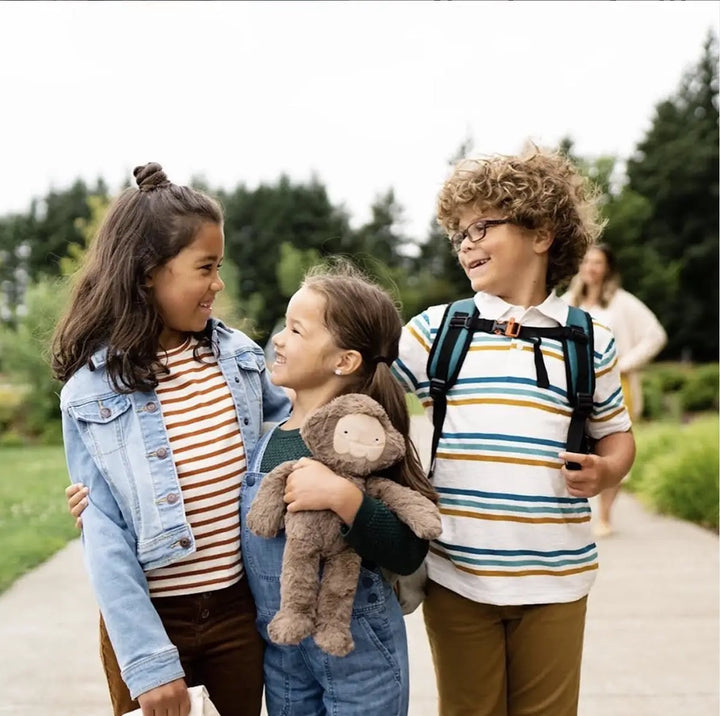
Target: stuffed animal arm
266 516
412 508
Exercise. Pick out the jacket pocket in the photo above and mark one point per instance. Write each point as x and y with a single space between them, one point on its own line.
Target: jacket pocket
101 410
100 420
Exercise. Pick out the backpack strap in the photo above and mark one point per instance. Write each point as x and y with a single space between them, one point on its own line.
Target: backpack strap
580 371
454 336
446 357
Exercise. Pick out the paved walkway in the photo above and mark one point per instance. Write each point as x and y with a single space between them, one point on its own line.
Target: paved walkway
651 645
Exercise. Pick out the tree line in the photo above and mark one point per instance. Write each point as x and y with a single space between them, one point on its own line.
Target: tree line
661 205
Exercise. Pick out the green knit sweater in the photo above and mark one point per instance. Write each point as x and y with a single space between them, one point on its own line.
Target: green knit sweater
376 534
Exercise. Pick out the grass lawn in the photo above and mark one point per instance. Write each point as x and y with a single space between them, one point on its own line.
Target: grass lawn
34 522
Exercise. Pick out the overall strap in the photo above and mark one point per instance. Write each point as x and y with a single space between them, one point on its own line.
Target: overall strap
447 354
255 459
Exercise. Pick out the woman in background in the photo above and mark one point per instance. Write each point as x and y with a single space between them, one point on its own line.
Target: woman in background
639 337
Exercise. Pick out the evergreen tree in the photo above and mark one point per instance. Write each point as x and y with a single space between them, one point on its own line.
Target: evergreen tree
675 169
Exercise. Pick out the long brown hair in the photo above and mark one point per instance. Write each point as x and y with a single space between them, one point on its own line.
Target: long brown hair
361 316
111 306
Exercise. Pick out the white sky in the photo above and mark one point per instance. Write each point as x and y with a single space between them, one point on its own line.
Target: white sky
368 95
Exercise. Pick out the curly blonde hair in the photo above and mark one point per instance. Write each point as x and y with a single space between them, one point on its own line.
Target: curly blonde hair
535 190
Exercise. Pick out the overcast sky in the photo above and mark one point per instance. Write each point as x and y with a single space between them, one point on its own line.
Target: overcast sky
366 95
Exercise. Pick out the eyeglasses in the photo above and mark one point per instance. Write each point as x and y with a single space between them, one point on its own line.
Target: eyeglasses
475 232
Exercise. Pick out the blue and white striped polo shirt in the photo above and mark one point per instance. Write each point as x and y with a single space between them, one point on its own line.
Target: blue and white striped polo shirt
511 532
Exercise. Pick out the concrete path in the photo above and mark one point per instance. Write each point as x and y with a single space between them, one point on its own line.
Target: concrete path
651 645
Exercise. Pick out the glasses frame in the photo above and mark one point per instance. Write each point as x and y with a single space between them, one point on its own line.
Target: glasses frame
481 226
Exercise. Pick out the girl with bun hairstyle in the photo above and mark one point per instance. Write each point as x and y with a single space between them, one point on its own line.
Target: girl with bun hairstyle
161 405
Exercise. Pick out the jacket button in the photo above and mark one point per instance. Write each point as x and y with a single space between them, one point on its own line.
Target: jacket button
161 452
249 480
172 498
151 407
184 542
105 412
246 421
367 582
372 598
237 378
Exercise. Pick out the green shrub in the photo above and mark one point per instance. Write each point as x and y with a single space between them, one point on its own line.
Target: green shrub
676 470
700 391
11 438
670 376
10 399
653 407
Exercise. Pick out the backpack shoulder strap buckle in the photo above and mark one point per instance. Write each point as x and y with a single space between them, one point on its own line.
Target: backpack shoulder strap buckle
461 320
578 334
584 403
437 387
509 328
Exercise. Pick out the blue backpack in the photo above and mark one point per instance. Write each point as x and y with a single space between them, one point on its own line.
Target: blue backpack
460 321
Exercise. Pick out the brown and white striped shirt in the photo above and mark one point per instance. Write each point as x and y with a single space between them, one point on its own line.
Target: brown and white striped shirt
206 444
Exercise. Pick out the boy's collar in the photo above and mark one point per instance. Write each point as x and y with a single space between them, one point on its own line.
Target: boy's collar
494 308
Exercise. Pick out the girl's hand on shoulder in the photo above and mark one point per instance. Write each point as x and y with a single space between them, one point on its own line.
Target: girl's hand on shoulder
77 501
313 486
172 699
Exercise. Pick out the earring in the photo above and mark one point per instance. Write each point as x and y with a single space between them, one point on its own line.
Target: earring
338 371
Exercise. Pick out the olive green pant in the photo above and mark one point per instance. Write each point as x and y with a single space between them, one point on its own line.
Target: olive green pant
504 660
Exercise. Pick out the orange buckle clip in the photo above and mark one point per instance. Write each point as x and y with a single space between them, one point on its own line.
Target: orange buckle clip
509 328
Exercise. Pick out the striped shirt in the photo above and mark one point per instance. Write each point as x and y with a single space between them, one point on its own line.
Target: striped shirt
511 532
207 449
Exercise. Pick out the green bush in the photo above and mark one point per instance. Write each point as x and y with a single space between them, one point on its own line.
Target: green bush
676 469
10 399
700 391
670 376
25 351
653 407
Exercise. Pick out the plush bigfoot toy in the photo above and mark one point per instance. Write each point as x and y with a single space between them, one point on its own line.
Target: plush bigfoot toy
354 437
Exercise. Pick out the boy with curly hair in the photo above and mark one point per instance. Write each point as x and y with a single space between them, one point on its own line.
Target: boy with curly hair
510 574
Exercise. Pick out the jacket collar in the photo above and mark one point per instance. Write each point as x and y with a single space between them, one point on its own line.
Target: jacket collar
99 358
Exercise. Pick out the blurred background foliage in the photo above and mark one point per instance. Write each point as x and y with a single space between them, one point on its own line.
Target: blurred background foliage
661 205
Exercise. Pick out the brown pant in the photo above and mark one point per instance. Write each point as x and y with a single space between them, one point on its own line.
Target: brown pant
504 661
219 647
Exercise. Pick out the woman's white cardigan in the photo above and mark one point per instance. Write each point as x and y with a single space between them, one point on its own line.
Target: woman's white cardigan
639 337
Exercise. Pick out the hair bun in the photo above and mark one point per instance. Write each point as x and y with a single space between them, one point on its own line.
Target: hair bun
150 176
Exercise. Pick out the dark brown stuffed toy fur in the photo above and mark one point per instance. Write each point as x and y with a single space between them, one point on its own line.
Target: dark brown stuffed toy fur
354 437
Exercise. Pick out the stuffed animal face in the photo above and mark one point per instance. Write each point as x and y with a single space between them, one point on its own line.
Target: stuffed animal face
353 434
359 436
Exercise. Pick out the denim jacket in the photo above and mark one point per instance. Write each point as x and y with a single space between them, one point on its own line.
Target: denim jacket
117 445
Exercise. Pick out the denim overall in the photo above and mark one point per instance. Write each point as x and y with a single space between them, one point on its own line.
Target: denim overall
302 680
